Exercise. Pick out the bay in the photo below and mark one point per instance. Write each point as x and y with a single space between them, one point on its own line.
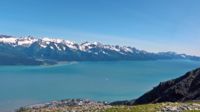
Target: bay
103 81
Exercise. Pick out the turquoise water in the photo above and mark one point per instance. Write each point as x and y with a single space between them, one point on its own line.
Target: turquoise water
104 81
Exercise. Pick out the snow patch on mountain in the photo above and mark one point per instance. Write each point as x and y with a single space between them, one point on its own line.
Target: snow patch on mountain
86 49
26 41
10 40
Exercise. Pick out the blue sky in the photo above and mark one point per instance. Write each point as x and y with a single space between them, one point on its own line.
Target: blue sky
153 25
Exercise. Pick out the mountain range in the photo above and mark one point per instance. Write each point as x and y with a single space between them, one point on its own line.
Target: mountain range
37 51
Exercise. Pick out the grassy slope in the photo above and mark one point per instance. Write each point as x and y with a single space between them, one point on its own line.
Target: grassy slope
143 108
138 108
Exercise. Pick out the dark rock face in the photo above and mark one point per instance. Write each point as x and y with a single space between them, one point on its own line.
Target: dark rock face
184 88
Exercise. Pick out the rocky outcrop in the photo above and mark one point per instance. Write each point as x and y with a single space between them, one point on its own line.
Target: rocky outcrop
179 107
68 105
184 88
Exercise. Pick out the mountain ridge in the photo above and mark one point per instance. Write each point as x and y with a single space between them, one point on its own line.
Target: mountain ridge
185 88
181 89
55 50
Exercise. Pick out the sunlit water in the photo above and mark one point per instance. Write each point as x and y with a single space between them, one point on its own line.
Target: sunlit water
104 81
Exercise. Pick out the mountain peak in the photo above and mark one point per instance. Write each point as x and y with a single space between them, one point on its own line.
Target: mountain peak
52 40
8 39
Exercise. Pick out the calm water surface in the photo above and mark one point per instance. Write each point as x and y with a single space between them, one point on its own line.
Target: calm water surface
104 81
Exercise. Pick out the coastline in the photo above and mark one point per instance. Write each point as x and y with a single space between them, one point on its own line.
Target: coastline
86 105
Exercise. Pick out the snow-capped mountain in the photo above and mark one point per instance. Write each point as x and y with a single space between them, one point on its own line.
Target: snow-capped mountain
30 50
